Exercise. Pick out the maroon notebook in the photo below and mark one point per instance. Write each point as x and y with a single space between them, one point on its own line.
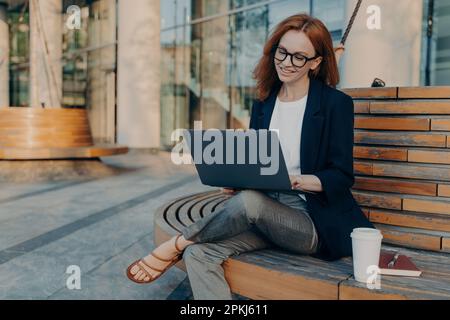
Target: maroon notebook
402 267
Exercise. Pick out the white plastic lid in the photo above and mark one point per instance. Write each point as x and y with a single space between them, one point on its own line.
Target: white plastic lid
366 233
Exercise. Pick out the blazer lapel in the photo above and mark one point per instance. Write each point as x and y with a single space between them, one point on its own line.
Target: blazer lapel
312 124
311 129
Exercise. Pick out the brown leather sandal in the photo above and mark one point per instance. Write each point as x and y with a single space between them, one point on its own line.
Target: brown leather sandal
141 263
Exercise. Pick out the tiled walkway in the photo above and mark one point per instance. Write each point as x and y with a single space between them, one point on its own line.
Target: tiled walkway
100 225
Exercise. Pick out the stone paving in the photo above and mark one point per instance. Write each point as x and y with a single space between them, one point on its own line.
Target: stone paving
100 225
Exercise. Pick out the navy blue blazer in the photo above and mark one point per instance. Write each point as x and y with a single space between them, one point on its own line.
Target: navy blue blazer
326 150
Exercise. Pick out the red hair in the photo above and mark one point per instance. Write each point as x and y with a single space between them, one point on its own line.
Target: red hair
265 73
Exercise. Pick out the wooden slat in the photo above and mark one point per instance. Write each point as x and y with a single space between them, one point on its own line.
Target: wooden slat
362 168
405 219
446 244
44 128
440 124
12 117
424 92
45 137
53 127
404 139
378 200
427 156
361 106
100 150
381 153
371 93
428 172
41 110
260 283
68 143
14 127
411 107
41 139
39 113
385 123
409 238
97 150
444 190
71 144
353 290
16 120
397 186
438 205
269 274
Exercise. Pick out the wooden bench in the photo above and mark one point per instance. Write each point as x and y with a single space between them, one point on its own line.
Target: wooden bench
55 133
402 169
51 144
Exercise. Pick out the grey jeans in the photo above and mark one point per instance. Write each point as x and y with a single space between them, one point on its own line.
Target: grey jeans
250 220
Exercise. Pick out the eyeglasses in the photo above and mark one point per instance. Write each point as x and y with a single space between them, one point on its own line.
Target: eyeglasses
297 59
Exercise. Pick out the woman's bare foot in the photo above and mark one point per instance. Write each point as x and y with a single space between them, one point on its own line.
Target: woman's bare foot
167 251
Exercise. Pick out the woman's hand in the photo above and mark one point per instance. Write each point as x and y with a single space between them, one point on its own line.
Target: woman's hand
306 183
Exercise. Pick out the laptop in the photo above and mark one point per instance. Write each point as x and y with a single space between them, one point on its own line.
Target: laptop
239 159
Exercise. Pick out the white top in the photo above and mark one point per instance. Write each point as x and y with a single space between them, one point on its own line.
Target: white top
287 117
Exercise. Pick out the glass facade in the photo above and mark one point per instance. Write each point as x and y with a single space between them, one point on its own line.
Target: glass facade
435 68
19 34
209 50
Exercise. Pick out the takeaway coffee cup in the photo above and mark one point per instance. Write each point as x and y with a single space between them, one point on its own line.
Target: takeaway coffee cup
366 246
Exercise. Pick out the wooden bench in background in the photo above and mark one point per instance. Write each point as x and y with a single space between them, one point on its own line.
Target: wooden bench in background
402 170
51 144
55 133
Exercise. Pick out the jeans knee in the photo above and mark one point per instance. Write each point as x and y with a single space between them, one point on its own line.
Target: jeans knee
202 253
193 251
252 200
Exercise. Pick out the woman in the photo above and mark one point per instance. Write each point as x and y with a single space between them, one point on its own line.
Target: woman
295 86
